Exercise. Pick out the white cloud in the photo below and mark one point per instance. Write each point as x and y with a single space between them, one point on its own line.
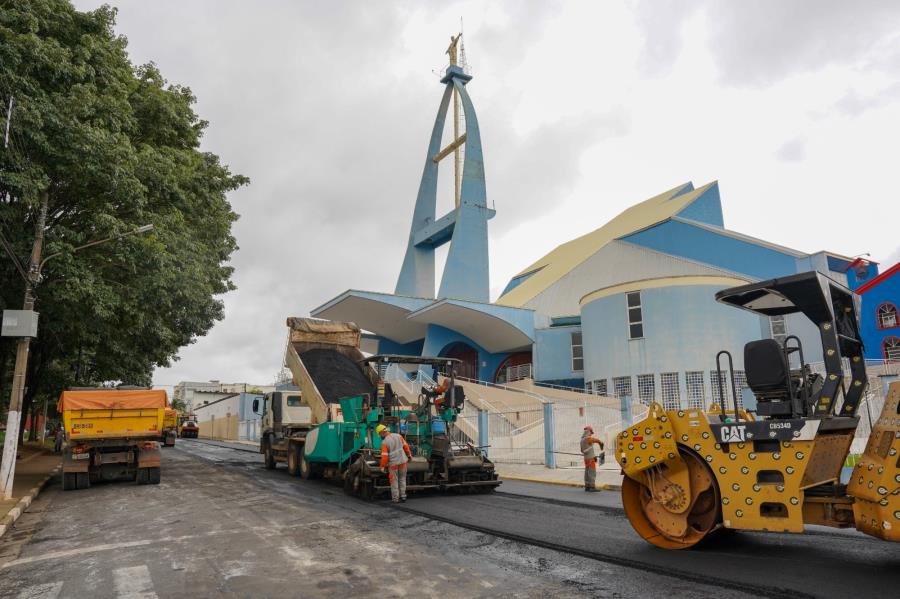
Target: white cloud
585 108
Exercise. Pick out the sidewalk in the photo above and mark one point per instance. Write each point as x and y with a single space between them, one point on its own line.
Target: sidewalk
608 475
254 444
34 467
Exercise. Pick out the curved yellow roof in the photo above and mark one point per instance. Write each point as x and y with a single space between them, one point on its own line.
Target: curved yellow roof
555 265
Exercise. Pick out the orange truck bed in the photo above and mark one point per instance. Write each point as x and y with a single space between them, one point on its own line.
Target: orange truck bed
112 413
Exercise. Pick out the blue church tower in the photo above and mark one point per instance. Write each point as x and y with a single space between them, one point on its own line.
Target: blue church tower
466 274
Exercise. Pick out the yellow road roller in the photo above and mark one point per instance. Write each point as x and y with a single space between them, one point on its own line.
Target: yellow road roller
776 465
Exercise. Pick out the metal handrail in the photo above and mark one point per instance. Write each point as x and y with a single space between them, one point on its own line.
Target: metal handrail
540 398
562 387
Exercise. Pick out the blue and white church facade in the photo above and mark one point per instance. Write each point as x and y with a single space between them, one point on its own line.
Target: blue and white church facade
627 309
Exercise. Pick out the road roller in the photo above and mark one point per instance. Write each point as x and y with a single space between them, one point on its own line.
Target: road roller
774 463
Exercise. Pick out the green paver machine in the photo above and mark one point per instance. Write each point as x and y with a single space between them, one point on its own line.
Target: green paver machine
441 460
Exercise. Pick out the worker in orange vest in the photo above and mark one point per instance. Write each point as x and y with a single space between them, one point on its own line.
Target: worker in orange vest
395 454
588 440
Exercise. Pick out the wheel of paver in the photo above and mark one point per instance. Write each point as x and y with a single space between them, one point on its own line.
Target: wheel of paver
82 480
154 476
306 469
69 481
294 461
143 476
655 506
270 457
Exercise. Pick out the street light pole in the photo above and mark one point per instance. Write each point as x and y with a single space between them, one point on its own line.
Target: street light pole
36 264
8 466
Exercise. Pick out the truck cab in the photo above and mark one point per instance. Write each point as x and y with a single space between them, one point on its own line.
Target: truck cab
286 419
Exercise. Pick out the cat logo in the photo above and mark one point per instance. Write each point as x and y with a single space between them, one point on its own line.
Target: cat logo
732 434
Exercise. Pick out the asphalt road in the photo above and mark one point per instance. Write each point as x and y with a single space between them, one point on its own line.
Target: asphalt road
220 525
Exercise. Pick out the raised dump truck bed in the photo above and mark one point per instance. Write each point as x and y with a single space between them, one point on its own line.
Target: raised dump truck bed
326 365
111 433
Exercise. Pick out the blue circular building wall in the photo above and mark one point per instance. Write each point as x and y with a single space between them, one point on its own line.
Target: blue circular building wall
682 329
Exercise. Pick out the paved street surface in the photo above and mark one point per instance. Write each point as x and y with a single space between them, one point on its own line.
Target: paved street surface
220 525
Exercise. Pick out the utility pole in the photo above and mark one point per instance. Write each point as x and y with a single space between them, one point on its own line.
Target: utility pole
8 467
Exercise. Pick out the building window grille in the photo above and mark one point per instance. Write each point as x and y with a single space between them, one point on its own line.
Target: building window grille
716 377
589 388
600 387
696 390
740 383
622 386
671 391
646 384
887 316
778 329
635 315
891 349
577 352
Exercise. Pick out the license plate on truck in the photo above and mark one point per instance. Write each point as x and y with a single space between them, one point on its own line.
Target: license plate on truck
80 456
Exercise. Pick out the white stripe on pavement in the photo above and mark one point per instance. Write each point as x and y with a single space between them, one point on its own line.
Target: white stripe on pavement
48 590
134 583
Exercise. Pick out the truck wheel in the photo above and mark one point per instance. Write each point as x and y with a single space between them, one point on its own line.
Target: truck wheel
143 476
82 480
270 457
154 476
69 482
294 458
307 470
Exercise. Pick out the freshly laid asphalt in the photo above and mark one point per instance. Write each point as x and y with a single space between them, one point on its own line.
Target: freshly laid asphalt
220 525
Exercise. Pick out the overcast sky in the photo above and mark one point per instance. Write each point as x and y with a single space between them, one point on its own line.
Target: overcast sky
585 109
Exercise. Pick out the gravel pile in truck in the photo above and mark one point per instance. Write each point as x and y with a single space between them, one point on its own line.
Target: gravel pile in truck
336 375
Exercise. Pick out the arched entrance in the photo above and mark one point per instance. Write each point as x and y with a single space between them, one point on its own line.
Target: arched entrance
507 370
467 354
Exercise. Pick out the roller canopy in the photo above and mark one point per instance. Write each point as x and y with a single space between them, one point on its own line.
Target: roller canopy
810 293
833 309
116 399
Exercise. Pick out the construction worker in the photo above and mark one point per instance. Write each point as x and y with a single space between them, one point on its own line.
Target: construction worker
58 441
395 454
590 457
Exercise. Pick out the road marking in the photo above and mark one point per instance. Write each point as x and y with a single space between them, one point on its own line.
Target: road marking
107 547
53 555
48 590
134 583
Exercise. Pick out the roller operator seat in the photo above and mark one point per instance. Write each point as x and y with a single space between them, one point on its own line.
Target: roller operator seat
768 376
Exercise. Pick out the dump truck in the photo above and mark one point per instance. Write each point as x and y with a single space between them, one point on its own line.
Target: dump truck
285 422
111 434
689 473
330 353
169 428
326 429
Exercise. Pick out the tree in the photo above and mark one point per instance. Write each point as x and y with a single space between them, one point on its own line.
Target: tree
116 147
178 404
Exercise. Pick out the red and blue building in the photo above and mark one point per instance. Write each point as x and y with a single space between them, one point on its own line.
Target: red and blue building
880 317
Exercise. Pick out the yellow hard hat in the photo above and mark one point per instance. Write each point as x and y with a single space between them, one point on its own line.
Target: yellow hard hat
380 429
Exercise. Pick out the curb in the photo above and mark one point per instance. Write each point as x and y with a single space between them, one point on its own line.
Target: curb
563 483
10 518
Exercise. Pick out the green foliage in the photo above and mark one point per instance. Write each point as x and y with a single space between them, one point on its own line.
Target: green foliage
178 404
116 147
